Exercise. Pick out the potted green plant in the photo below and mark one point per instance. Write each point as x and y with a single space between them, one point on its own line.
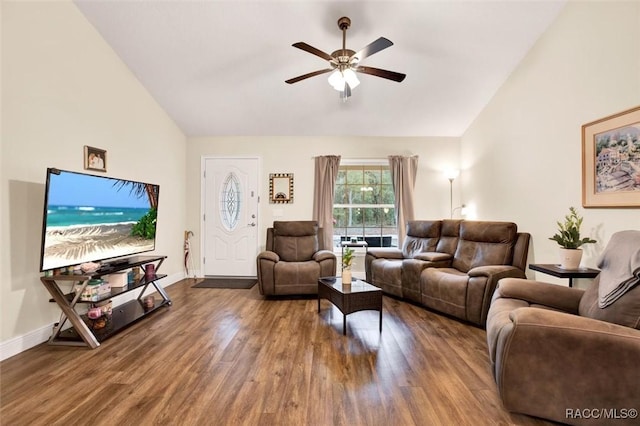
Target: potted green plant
347 261
569 239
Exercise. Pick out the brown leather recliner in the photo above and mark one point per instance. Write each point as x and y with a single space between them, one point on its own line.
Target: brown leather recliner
484 253
294 259
556 354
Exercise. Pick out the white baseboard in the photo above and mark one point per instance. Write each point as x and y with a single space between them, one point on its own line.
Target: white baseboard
19 344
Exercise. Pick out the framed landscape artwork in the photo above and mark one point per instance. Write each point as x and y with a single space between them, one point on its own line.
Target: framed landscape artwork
611 161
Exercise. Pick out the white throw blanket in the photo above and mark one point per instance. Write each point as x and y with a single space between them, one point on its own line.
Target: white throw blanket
620 266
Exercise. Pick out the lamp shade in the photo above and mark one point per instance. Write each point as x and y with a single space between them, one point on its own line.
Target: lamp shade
351 78
338 78
451 174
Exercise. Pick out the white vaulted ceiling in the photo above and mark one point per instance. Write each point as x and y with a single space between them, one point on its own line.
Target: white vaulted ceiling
218 67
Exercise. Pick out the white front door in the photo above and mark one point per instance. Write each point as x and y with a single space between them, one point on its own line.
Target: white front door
230 219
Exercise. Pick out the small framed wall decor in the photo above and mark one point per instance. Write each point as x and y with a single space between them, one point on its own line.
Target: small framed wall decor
95 159
281 188
611 161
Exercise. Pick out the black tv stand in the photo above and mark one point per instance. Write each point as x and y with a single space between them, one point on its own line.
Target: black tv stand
81 333
106 266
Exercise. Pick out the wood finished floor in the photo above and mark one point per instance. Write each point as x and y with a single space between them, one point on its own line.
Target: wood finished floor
230 357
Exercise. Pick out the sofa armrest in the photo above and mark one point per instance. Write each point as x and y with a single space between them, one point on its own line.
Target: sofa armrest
321 255
586 363
492 270
268 255
568 323
266 263
385 253
481 286
554 296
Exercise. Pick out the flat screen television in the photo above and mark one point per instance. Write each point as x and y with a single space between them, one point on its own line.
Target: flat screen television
89 218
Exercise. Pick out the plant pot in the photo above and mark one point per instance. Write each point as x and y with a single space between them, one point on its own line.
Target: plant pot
346 276
570 258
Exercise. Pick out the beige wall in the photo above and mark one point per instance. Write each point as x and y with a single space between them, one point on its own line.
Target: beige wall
63 88
521 158
295 155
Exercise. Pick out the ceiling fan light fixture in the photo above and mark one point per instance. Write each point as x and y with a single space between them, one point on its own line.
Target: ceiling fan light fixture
351 78
338 78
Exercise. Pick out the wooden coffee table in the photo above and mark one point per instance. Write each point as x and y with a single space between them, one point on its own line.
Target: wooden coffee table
358 296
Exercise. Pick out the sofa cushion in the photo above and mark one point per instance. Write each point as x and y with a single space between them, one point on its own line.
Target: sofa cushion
295 241
445 289
296 277
484 243
449 236
422 236
387 274
624 311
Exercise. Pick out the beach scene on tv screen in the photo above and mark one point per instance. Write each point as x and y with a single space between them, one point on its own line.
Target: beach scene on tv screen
91 218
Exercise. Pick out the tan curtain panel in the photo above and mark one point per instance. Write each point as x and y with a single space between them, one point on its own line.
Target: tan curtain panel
403 175
326 173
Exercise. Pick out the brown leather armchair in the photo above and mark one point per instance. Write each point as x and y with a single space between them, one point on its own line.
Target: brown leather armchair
294 259
556 354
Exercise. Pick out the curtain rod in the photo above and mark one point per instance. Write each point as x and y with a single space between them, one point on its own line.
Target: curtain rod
368 159
361 161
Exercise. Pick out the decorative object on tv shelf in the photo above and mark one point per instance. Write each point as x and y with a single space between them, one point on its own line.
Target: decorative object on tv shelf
150 272
281 188
568 237
611 161
95 159
347 262
149 302
89 267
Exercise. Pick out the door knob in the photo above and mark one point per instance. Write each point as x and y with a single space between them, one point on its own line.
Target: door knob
252 224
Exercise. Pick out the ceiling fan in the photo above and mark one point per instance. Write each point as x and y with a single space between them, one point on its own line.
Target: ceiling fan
345 63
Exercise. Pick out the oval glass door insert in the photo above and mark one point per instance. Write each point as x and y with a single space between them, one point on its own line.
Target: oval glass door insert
230 199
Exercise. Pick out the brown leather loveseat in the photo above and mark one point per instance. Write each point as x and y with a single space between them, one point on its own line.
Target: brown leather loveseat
294 258
451 266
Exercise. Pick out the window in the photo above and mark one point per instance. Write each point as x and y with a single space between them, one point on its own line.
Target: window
364 205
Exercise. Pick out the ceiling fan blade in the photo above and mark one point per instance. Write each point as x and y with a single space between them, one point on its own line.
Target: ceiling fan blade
390 75
311 74
307 48
370 49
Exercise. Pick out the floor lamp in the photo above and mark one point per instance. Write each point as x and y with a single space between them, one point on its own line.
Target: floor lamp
451 175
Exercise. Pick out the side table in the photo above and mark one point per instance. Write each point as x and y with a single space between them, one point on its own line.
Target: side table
557 271
360 243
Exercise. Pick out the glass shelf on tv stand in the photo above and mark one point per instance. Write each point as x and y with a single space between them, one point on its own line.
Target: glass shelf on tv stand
81 333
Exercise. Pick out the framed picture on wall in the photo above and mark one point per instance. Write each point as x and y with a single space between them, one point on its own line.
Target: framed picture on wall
281 188
95 159
611 161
